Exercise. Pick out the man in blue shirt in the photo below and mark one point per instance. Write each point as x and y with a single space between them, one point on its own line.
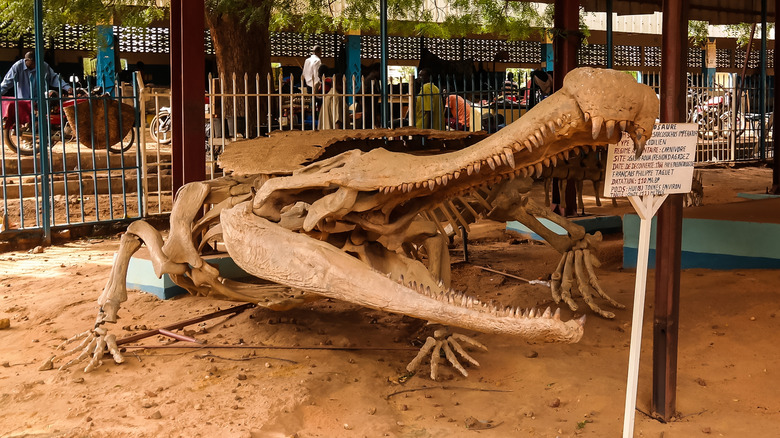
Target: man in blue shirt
24 75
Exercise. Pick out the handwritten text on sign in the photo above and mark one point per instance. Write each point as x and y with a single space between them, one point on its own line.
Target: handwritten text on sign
666 166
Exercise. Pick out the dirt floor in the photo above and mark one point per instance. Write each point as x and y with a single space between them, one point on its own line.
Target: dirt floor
331 369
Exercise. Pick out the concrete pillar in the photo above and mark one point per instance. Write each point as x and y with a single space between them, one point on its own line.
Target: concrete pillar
106 55
353 60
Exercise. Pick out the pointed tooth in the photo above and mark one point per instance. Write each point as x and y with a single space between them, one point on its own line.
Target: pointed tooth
623 125
510 157
491 163
610 125
445 179
557 314
525 313
532 312
581 321
539 137
597 122
547 313
534 140
546 162
431 184
525 172
428 290
640 147
477 166
402 279
551 126
503 159
554 160
538 168
438 180
587 116
566 154
559 121
517 146
417 185
470 302
457 174
528 145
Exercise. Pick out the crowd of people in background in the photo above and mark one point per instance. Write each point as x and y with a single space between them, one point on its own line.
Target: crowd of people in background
433 106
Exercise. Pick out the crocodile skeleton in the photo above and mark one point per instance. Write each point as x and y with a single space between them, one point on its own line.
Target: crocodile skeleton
352 226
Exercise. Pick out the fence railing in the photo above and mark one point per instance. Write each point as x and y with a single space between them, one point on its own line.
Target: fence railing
86 169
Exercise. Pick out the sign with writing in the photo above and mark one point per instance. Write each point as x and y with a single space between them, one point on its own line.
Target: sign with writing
665 167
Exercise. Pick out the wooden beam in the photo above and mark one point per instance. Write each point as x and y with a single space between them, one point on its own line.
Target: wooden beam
669 232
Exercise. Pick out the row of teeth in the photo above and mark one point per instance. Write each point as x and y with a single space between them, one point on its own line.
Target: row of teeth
599 122
506 156
463 300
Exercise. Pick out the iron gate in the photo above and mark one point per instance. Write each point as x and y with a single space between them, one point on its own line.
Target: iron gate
76 161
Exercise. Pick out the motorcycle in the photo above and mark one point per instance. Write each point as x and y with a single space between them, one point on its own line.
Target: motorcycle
715 115
20 134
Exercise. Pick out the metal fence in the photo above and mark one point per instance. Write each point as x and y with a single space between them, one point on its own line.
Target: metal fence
86 170
731 122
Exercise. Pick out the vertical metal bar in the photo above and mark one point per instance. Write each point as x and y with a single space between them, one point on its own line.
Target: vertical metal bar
776 131
762 84
140 155
383 58
669 235
43 131
610 43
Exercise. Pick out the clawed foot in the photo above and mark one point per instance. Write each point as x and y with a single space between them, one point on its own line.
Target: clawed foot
451 345
577 265
93 346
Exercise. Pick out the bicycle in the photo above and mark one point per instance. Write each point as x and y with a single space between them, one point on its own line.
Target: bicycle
160 127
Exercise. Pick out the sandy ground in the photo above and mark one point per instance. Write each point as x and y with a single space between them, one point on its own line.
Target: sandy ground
331 369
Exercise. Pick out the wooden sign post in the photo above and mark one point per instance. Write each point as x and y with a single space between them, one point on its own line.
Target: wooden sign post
665 167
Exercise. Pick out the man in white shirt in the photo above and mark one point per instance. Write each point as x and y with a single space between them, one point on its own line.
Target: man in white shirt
311 69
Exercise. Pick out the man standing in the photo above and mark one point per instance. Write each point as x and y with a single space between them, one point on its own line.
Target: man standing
24 75
311 69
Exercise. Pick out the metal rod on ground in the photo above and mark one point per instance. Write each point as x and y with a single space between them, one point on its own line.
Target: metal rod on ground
503 273
178 325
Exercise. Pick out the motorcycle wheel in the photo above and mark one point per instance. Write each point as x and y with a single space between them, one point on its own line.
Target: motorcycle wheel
21 142
125 144
159 131
708 122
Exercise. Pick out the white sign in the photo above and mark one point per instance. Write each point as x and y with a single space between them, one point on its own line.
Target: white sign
665 167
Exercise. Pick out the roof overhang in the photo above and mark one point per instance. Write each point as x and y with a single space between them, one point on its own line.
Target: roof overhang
713 11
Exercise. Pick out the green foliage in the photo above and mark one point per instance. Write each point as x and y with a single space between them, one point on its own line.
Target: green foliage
17 15
698 32
742 32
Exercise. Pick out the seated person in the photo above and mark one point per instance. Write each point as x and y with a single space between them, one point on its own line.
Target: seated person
458 113
427 108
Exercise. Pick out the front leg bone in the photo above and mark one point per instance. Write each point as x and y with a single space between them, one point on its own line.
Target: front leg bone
442 340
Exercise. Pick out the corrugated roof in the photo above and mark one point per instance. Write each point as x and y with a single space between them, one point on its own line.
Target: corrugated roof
713 11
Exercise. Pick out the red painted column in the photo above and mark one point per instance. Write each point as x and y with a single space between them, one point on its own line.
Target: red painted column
674 48
566 41
188 90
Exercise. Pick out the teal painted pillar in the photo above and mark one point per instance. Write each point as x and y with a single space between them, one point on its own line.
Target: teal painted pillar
106 69
353 61
710 62
548 56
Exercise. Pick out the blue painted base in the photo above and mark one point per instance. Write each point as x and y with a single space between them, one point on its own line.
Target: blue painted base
140 274
605 224
757 196
713 244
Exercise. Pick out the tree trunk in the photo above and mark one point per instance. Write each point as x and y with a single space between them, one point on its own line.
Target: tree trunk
241 49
